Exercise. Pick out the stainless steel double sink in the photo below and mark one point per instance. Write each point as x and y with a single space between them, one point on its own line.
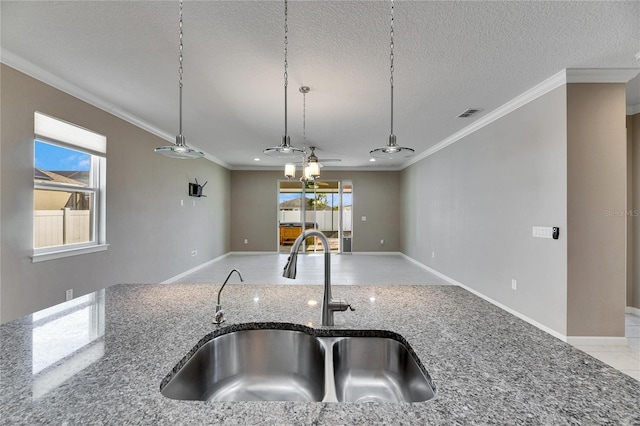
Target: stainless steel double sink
290 362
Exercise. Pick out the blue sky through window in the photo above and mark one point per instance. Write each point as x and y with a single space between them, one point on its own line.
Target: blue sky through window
56 158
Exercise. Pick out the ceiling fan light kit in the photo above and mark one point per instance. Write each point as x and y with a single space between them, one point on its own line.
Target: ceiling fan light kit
180 149
310 165
392 150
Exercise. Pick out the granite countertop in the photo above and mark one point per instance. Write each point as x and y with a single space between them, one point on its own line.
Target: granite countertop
99 359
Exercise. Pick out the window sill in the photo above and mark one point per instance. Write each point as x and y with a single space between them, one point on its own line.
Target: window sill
68 253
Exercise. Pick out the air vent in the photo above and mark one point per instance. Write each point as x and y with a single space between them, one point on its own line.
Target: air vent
469 112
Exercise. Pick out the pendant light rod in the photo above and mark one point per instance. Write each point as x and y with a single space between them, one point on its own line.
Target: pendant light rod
285 150
391 67
180 149
304 90
180 73
286 64
391 150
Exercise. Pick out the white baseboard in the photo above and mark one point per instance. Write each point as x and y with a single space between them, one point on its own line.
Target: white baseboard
192 270
488 299
633 311
358 253
596 341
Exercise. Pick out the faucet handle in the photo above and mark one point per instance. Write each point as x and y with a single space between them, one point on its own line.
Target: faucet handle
340 305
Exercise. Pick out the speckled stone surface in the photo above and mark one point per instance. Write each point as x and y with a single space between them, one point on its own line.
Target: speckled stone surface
489 367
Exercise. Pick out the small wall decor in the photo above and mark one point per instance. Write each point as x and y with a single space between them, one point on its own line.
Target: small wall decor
195 189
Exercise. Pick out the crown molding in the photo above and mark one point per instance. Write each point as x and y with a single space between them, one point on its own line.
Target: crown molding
324 169
600 75
572 75
14 61
535 92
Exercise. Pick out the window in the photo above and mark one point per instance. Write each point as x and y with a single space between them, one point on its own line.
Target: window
69 189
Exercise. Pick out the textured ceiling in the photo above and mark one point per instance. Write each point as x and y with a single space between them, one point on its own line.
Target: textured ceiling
449 56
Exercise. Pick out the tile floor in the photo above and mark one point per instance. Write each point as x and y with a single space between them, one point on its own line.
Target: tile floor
382 269
623 358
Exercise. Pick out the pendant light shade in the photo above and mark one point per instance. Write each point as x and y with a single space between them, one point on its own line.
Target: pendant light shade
307 174
312 164
180 149
285 150
290 171
314 170
392 150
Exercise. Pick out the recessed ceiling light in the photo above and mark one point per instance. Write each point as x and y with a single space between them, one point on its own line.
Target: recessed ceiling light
372 159
256 159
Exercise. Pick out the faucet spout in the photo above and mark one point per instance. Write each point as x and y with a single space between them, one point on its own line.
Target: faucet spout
219 315
329 305
227 279
290 268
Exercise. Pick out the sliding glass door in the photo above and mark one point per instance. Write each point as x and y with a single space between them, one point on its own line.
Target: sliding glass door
311 205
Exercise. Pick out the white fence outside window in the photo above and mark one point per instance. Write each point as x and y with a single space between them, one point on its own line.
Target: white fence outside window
327 220
59 227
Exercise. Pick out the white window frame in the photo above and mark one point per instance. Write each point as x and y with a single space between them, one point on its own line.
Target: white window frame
60 133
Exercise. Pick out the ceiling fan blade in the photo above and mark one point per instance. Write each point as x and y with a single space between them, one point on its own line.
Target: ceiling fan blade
328 160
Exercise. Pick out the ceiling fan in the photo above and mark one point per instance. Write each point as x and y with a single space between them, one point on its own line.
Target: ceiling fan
312 157
314 184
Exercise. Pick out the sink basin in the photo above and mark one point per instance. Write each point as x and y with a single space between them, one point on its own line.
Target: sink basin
290 362
368 369
253 365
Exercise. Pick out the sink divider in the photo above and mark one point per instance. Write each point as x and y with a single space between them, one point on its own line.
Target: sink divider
329 379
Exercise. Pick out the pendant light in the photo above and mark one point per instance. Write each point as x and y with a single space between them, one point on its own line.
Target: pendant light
285 150
180 149
392 150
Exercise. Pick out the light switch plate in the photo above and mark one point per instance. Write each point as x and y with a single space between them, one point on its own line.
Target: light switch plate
543 231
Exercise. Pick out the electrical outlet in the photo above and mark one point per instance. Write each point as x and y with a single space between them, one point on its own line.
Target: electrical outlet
246 241
194 253
433 254
381 241
181 203
194 203
364 218
514 284
68 294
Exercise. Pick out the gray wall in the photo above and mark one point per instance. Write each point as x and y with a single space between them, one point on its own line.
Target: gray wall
376 195
633 292
474 204
596 209
150 235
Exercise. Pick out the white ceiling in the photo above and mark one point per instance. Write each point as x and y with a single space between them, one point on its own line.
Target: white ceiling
448 56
